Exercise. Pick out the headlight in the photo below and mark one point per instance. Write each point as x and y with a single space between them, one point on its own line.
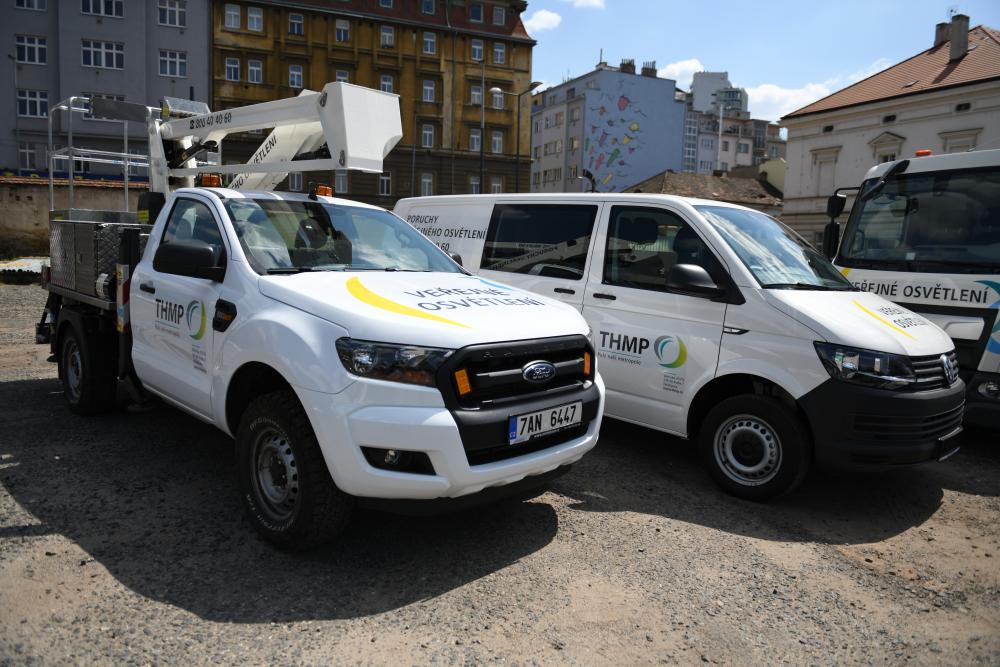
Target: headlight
395 363
866 367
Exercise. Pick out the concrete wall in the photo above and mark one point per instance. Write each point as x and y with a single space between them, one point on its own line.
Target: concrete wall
24 223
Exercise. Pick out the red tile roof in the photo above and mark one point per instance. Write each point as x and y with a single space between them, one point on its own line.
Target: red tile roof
928 70
745 191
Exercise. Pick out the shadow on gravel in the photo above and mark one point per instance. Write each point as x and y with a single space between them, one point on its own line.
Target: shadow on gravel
152 498
635 469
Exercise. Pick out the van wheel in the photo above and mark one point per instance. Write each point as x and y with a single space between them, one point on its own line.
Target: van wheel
286 487
89 386
755 447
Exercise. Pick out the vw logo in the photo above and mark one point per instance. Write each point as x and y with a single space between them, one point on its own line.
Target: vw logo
538 372
950 372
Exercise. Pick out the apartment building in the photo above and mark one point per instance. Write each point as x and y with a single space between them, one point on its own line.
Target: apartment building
618 125
138 51
460 67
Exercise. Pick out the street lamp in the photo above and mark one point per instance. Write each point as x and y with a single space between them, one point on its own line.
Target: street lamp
517 164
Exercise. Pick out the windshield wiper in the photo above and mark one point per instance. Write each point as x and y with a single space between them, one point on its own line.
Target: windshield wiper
804 286
287 270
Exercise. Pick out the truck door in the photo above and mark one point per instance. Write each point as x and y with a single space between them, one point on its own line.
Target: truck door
171 315
542 248
654 347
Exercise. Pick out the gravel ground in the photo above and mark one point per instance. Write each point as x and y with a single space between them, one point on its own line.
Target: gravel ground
122 541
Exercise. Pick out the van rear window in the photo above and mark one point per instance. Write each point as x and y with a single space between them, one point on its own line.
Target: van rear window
539 239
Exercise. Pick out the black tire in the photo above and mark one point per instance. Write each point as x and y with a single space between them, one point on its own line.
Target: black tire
755 447
88 377
287 490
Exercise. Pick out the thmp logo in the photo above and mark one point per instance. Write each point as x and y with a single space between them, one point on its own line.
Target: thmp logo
671 351
196 319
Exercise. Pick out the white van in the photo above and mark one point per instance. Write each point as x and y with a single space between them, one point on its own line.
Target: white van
717 322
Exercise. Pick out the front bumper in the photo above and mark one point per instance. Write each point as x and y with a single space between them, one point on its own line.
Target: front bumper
981 410
854 426
409 418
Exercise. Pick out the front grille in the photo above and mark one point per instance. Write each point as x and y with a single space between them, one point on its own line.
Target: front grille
897 428
933 373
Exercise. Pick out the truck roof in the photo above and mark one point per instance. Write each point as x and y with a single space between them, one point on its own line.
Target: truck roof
227 193
630 197
943 162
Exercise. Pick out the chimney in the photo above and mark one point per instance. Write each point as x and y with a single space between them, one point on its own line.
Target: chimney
941 31
959 36
627 66
649 68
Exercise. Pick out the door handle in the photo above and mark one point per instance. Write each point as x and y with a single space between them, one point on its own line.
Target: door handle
563 290
609 297
147 287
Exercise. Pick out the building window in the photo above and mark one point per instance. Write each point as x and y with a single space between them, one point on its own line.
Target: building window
255 19
743 148
538 152
173 63
427 6
32 103
574 114
475 139
343 76
827 129
426 184
233 16
477 49
385 83
173 13
497 99
725 145
496 185
232 69
340 181
429 91
427 136
430 43
113 8
499 53
476 95
296 24
476 12
887 157
255 71
496 142
963 106
707 142
388 39
343 33
39 5
295 76
574 143
499 15
724 166
31 50
106 55
26 157
295 181
385 4
385 184
573 171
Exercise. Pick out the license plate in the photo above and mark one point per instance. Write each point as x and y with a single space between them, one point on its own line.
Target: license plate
525 427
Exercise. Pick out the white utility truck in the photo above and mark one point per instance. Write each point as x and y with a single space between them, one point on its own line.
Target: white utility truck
925 233
717 322
351 359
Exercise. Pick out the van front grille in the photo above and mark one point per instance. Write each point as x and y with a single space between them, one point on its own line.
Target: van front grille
935 371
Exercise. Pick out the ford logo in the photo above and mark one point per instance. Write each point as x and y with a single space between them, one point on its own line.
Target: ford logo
538 372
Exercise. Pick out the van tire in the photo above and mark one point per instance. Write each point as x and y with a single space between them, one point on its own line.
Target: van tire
88 383
286 487
755 447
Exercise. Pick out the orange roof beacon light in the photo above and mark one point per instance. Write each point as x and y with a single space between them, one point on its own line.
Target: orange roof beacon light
210 181
923 152
319 190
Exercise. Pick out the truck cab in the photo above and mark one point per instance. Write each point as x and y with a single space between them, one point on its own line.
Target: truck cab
717 323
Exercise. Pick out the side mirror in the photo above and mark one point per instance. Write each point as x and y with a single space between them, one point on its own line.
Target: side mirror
196 259
831 239
835 205
458 258
692 280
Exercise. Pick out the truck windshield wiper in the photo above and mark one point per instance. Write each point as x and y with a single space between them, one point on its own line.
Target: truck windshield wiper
802 286
286 270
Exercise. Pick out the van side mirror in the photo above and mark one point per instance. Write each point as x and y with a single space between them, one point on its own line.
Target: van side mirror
835 205
195 259
457 258
692 280
831 239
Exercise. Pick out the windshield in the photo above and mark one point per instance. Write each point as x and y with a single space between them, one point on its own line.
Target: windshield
778 257
281 236
934 222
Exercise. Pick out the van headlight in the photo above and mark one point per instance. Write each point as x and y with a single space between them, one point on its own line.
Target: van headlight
395 363
866 367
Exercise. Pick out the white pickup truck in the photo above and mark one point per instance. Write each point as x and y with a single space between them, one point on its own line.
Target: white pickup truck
311 330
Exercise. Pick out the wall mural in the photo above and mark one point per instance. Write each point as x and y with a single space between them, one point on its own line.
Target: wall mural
614 137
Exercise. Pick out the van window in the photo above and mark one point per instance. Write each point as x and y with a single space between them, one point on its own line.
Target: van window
644 243
539 239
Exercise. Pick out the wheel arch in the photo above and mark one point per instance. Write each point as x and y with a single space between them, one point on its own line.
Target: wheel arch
250 380
726 386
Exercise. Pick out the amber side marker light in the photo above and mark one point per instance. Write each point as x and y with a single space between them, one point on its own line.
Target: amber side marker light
462 382
923 152
586 364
